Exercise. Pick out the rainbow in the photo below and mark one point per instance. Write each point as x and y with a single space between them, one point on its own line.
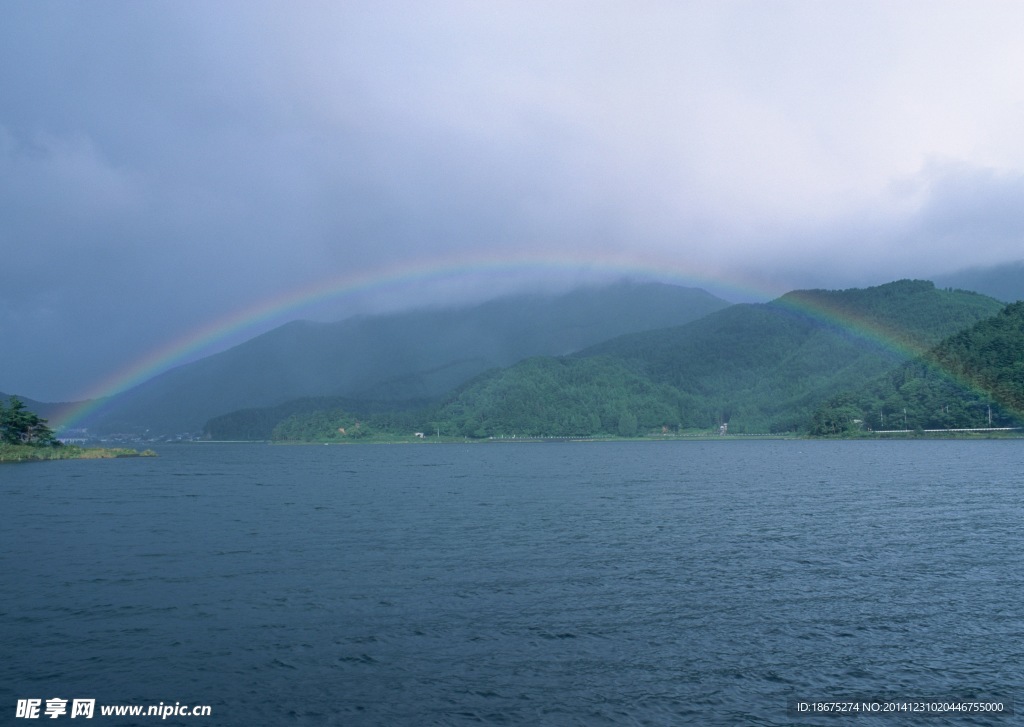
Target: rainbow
883 337
441 271
436 271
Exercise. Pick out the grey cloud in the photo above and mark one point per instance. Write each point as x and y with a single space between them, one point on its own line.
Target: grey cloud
162 165
979 208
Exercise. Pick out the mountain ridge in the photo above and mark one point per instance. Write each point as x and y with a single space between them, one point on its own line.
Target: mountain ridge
972 379
412 355
757 367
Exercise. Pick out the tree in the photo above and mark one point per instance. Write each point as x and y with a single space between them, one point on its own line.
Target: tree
838 416
627 424
18 425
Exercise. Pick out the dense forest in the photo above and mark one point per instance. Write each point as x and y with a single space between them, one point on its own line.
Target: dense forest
766 368
564 397
287 418
757 368
973 379
542 396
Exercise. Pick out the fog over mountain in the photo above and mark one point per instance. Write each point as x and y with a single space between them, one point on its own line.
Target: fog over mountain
413 355
177 178
1002 282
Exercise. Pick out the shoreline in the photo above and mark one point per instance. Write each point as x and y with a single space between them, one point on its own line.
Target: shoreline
20 453
881 436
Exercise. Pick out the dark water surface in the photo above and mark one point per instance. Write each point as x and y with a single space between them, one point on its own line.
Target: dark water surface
554 584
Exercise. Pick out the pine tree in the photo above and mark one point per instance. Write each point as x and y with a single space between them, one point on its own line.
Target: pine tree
18 425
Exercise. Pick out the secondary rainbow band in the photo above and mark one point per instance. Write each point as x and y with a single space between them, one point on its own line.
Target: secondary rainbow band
882 336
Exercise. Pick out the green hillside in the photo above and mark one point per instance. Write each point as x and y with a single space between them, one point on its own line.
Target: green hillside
542 396
563 397
418 354
972 379
260 423
765 368
758 368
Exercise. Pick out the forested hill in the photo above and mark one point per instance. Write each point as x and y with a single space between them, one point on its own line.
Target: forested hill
972 379
408 355
757 368
259 423
910 313
766 367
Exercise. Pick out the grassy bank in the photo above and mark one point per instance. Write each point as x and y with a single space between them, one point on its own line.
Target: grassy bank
18 453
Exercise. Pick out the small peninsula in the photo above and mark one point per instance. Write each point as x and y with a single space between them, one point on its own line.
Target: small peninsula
21 453
25 437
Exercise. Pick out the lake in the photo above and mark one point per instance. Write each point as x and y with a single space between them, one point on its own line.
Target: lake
705 582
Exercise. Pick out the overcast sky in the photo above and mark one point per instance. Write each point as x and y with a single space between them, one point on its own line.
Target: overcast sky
166 164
